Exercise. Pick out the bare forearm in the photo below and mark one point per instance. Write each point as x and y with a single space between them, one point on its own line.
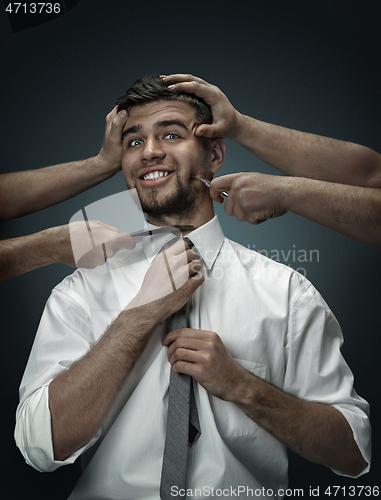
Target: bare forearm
23 254
350 210
316 431
308 155
81 397
22 193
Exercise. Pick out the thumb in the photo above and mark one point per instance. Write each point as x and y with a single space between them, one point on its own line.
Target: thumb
118 122
205 130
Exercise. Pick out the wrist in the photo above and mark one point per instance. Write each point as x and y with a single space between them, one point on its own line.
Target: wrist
150 313
106 166
139 319
294 193
238 127
57 245
243 388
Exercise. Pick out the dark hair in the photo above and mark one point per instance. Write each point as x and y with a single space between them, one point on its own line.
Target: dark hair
152 88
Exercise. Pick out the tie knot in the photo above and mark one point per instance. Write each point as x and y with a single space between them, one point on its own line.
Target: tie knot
192 246
190 243
186 239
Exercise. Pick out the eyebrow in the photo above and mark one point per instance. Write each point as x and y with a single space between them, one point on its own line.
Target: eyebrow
169 123
161 124
132 130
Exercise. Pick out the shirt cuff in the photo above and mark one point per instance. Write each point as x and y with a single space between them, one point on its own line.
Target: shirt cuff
33 433
360 425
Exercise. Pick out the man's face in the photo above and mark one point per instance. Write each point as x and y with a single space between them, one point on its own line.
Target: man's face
161 154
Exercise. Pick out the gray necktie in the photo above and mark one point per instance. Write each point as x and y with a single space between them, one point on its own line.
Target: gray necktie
183 426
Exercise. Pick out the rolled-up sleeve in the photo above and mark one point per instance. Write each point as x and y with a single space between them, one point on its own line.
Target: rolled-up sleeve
316 369
64 335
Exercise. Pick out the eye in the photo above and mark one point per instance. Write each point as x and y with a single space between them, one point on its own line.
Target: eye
171 136
135 142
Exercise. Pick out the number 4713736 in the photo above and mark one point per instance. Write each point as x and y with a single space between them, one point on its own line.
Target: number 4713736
353 491
33 8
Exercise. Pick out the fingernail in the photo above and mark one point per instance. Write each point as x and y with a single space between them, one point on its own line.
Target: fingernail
172 87
122 113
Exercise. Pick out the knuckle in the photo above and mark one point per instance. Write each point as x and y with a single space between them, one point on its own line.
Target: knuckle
245 203
214 336
178 366
175 355
207 358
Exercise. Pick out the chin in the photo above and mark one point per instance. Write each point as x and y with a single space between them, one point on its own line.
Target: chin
181 202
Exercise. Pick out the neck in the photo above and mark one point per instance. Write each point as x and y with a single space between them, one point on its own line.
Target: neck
197 218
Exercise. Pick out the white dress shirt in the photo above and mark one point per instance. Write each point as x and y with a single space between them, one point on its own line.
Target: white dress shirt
270 318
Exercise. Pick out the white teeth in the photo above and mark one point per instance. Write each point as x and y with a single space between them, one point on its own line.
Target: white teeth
155 175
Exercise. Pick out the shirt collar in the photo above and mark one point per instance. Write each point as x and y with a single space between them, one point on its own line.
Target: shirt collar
208 240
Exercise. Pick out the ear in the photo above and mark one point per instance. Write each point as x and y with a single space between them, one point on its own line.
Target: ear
218 154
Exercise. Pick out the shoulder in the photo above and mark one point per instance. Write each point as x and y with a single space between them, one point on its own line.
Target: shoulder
72 289
252 258
269 273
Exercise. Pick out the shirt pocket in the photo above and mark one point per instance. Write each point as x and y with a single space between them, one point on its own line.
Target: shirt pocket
230 420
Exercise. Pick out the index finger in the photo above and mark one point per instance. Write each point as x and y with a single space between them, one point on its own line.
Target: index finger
112 113
125 241
182 77
220 184
209 93
183 332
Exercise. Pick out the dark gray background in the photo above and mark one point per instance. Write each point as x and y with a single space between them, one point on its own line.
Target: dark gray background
309 65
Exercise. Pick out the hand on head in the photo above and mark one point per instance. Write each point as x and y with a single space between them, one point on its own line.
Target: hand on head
224 114
111 151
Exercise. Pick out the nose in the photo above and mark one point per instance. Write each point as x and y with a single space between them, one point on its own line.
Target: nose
152 150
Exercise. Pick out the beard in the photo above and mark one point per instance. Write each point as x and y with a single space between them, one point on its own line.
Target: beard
180 202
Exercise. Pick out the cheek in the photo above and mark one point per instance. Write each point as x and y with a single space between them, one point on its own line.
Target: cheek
200 154
127 166
130 181
192 156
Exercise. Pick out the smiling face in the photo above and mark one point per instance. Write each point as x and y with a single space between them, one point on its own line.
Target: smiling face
161 154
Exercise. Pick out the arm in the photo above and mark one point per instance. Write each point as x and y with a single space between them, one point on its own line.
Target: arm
81 397
350 210
53 245
333 183
316 431
290 151
22 193
307 155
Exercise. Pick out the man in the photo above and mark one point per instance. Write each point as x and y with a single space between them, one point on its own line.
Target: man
263 347
22 193
331 182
